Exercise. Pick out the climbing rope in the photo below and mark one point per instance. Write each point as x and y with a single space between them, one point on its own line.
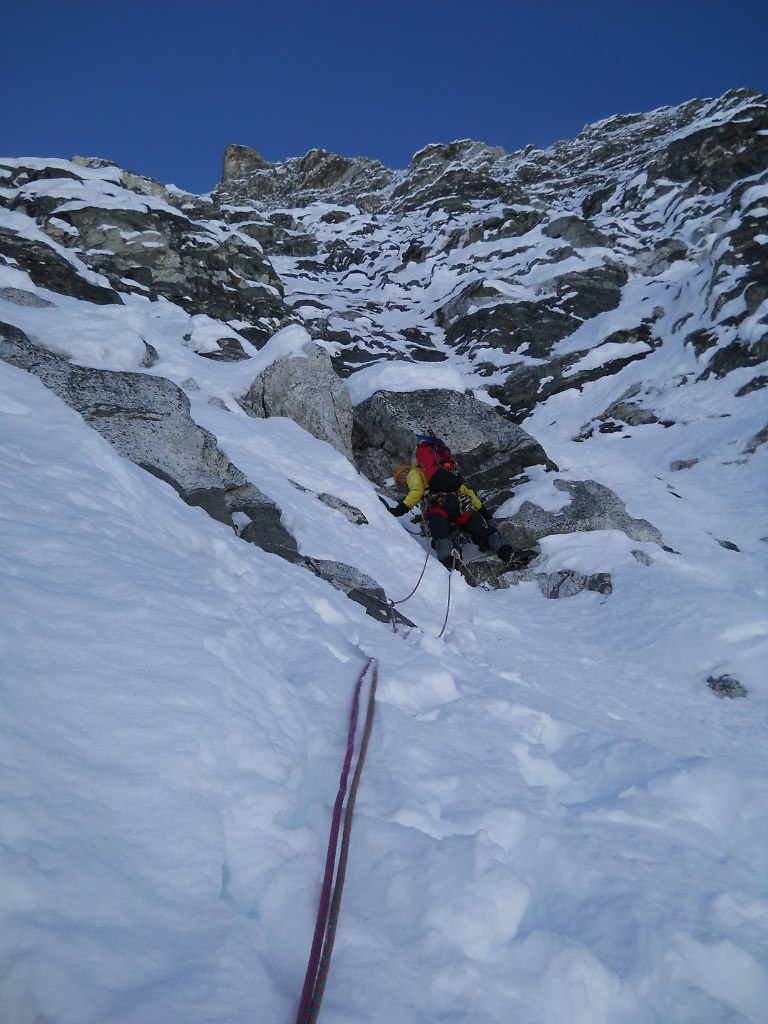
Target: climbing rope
341 870
402 600
328 910
447 607
457 561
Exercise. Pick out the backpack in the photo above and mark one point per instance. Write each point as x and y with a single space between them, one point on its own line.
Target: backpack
438 464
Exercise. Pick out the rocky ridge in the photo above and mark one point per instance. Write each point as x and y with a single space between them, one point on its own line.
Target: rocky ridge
592 266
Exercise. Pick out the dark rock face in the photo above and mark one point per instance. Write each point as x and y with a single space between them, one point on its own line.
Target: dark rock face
240 161
491 449
532 327
49 268
264 527
358 587
760 438
168 255
567 583
493 575
147 246
479 318
577 231
22 297
737 354
230 350
302 179
717 156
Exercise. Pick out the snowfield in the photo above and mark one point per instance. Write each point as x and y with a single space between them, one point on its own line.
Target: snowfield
558 820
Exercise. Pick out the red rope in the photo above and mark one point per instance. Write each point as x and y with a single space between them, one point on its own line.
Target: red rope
330 860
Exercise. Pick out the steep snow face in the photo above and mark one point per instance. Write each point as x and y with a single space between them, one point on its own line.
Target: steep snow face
559 818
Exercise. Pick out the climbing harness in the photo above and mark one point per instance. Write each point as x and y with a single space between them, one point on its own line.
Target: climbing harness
462 504
330 904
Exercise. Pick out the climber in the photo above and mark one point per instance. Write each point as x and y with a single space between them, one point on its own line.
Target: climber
445 508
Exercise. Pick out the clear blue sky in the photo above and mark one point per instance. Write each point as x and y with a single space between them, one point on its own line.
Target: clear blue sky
162 86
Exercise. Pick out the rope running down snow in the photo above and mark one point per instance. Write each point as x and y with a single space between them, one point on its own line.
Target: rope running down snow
448 603
404 599
341 870
457 560
313 985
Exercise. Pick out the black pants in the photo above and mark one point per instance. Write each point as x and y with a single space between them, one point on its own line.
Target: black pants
475 526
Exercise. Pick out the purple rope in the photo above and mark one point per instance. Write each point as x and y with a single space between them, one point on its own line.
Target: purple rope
341 870
404 599
330 860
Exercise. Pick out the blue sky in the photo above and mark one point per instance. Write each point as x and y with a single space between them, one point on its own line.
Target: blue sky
162 87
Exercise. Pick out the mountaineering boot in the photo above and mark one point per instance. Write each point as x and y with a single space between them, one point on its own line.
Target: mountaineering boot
444 551
499 546
514 559
521 559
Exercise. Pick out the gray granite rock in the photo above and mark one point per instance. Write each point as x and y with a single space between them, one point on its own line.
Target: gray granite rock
306 389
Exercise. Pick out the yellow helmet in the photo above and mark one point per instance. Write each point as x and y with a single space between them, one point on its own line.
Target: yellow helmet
400 475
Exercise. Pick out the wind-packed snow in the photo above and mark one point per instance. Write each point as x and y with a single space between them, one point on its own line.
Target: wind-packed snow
558 820
397 375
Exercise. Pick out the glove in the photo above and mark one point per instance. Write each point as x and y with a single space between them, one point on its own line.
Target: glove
400 509
487 516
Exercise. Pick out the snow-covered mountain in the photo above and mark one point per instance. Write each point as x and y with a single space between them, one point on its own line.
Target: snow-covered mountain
562 814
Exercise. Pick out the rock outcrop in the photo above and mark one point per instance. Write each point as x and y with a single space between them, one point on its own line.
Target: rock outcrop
592 506
147 245
535 278
306 389
146 418
492 450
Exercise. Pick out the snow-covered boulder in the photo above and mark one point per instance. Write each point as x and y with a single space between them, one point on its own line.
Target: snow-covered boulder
589 506
358 587
146 418
303 386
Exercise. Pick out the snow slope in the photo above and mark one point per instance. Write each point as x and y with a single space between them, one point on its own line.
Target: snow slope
558 820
